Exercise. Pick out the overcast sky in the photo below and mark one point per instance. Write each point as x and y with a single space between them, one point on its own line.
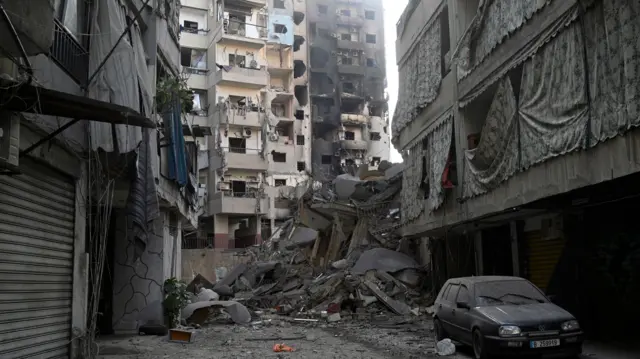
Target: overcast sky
392 11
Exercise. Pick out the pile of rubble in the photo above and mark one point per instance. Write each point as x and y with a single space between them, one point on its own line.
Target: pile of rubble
339 256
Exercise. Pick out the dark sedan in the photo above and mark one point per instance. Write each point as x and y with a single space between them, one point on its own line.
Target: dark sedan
504 316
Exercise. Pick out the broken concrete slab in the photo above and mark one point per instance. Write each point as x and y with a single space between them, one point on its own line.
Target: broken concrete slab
312 219
302 237
383 259
231 277
198 282
198 312
395 306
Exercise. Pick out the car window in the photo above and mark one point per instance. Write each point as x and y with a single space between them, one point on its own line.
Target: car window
463 295
453 292
445 291
514 292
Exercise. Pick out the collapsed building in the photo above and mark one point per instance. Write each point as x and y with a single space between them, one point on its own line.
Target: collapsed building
347 86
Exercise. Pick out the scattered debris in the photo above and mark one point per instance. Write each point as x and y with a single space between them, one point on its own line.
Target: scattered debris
279 348
182 336
445 347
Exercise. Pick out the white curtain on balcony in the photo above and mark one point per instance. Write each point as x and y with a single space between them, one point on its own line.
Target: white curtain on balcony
495 158
553 102
117 81
420 77
412 195
612 30
439 146
494 21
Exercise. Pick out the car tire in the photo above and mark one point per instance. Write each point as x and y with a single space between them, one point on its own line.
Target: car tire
479 350
438 330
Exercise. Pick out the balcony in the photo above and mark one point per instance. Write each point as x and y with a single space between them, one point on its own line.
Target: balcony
69 54
244 117
234 33
195 39
197 78
353 119
237 203
354 145
198 4
350 45
244 159
352 69
243 77
255 4
354 20
286 146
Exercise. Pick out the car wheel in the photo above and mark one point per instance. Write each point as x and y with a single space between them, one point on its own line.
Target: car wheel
438 330
479 350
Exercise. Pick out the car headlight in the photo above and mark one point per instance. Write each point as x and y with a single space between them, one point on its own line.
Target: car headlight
570 325
509 331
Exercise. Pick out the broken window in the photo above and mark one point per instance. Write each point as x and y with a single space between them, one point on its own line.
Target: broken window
193 58
375 161
190 26
323 9
299 114
237 145
299 68
346 37
278 109
349 162
238 188
237 60
349 135
326 160
371 62
280 182
346 61
279 156
345 12
280 29
278 4
300 140
370 15
371 39
374 136
348 87
302 166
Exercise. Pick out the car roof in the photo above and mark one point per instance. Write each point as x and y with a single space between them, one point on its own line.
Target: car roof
484 279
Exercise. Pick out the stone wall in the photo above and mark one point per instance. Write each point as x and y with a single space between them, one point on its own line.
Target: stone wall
205 261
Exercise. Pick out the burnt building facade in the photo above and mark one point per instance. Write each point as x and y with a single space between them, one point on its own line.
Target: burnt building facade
347 85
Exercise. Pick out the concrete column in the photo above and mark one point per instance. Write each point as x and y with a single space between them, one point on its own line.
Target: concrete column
80 265
477 241
255 223
515 253
221 232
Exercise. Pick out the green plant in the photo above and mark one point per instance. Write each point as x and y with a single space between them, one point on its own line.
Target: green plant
166 87
175 299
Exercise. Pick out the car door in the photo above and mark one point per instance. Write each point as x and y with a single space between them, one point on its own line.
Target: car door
461 317
447 308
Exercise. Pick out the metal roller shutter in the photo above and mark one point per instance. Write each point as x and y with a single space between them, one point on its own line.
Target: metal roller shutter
543 257
36 263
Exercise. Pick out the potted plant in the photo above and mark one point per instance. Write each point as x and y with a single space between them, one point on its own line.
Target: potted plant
176 298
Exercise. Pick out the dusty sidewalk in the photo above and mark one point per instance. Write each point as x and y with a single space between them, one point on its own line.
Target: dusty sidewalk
314 342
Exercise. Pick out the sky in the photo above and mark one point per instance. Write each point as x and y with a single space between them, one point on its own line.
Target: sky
392 11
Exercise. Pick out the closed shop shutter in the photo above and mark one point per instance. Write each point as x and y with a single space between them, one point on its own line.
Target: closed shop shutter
36 263
544 255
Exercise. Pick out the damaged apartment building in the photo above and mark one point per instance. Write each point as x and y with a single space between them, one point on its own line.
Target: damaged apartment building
518 124
347 85
96 181
246 65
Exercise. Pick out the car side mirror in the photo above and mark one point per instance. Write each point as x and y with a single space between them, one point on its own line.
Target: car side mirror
462 305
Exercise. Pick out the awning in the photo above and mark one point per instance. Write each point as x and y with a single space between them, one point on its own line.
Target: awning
18 97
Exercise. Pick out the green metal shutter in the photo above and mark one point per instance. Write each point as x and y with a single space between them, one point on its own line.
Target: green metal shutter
543 257
37 213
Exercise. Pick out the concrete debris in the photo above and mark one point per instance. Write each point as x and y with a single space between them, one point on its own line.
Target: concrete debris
201 312
339 257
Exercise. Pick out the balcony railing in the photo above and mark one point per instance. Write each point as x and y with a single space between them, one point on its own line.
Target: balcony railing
69 54
194 70
197 243
238 28
241 150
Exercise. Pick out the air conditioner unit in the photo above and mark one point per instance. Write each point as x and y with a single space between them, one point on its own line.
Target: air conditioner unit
246 132
9 142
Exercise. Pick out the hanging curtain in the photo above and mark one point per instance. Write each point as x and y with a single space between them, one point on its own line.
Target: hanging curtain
612 29
495 158
411 194
420 77
439 146
553 103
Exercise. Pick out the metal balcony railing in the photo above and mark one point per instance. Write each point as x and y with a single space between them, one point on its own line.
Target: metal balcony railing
198 243
241 150
69 54
194 70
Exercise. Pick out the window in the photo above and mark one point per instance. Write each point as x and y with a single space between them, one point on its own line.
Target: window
278 4
191 26
237 60
463 295
280 182
237 145
371 39
348 87
312 28
371 62
374 136
375 161
349 135
323 9
300 140
347 61
326 160
345 12
370 15
445 291
299 114
67 12
279 156
302 166
346 37
193 58
452 293
280 29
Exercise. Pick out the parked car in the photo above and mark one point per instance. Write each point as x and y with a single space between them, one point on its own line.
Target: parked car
504 316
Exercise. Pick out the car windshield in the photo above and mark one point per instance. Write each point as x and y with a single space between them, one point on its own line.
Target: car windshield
514 292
